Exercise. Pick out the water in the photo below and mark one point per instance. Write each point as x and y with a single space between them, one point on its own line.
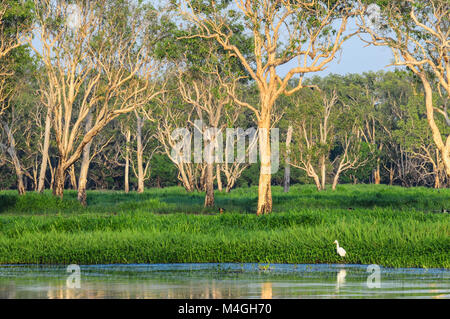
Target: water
222 281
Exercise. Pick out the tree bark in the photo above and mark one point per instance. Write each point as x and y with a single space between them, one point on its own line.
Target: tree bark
86 159
376 173
43 169
73 178
323 172
139 154
265 177
219 178
287 166
60 176
437 137
127 162
209 185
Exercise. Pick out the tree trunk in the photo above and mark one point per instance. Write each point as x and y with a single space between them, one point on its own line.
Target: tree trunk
187 183
219 178
376 173
317 182
265 177
86 159
43 170
17 167
139 154
287 166
323 172
437 137
127 163
335 181
60 176
209 185
11 149
73 178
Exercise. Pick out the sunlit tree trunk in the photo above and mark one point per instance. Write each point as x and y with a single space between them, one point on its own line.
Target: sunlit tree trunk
73 178
85 161
43 170
60 176
139 154
376 173
127 162
323 171
264 187
219 178
209 185
444 148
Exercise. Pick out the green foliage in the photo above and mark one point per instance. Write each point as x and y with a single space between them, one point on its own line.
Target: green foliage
390 226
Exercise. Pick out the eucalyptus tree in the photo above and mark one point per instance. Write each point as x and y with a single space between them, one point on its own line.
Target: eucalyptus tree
281 31
312 116
206 76
417 31
98 60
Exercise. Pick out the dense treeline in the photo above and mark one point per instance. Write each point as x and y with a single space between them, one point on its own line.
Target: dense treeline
90 98
382 114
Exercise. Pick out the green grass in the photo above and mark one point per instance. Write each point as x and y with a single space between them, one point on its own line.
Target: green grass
389 226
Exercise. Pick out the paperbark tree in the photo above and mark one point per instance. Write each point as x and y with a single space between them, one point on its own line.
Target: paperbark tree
314 129
103 65
209 99
417 32
143 136
171 115
281 31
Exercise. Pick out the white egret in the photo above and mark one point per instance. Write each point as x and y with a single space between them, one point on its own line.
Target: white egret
341 251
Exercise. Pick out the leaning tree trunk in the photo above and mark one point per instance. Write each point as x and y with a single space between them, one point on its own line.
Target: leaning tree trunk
139 154
444 148
86 159
287 166
43 169
73 178
265 177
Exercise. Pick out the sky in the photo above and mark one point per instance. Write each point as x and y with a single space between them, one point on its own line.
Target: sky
355 57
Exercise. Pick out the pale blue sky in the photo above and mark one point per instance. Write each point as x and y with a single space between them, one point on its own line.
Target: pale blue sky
355 57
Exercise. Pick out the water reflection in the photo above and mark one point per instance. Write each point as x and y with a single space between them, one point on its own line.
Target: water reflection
340 278
221 281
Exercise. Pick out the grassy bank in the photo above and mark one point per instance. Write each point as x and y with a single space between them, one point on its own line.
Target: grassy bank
390 226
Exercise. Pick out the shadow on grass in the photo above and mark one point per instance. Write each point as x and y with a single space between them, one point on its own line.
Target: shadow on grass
7 202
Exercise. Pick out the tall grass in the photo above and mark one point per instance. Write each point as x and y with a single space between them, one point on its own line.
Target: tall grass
390 226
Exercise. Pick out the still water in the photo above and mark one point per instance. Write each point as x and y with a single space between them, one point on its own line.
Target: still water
222 281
